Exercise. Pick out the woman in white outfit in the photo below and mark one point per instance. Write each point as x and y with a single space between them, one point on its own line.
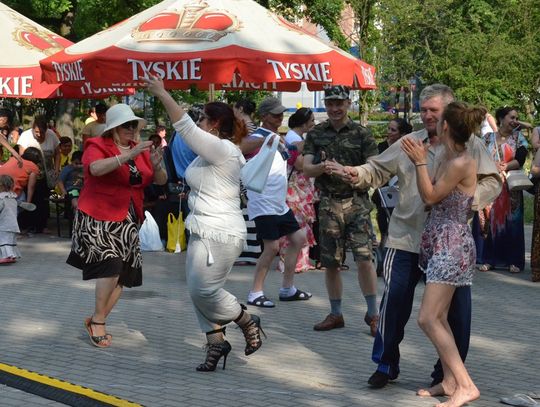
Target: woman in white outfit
217 228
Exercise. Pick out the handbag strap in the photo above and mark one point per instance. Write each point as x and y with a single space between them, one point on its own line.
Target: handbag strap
179 215
290 173
494 135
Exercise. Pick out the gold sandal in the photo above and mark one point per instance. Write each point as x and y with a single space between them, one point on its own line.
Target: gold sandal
513 269
485 267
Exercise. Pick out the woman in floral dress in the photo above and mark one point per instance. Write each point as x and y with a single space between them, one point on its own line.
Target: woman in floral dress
447 250
301 191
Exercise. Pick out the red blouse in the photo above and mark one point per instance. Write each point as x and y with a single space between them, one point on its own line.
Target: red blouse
107 197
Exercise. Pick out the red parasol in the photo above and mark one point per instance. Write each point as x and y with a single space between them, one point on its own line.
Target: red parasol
233 44
24 44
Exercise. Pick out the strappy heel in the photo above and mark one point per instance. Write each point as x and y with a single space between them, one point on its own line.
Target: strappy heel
97 340
213 355
252 333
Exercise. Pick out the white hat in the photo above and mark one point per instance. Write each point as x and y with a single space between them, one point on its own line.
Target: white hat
120 114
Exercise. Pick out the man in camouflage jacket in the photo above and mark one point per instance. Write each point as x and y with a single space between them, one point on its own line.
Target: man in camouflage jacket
343 211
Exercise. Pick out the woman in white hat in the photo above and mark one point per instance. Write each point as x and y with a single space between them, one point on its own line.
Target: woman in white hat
105 230
218 231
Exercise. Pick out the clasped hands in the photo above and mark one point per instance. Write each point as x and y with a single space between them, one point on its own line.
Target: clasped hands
416 150
346 173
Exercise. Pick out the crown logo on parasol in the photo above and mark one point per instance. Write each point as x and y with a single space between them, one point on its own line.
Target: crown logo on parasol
34 39
194 22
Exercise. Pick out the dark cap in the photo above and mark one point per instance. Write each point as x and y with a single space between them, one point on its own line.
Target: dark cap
337 92
271 105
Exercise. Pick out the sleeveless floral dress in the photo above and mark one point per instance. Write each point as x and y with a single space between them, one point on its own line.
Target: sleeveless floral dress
447 249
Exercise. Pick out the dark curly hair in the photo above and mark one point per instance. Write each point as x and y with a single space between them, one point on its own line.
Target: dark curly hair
228 125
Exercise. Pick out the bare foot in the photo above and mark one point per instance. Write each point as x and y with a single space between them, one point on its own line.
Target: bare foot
441 389
461 396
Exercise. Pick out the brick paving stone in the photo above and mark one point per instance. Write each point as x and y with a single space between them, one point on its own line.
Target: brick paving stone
157 342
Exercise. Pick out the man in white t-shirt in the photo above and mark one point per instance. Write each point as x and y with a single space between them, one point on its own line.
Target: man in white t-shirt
96 127
272 217
45 140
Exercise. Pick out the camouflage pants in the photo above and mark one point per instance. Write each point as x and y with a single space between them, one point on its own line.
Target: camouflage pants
344 221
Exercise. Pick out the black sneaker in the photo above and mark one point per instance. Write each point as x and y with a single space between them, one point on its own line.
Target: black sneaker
379 379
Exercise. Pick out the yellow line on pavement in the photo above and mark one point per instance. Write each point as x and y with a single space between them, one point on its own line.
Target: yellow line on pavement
56 384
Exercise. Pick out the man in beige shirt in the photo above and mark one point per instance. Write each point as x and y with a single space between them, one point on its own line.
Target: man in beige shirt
401 271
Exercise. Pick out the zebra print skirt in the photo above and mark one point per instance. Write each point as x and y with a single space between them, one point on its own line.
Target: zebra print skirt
107 249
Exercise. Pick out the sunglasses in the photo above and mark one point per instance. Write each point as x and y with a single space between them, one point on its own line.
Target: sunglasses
130 125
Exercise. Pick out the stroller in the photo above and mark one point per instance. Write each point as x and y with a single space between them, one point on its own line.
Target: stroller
388 199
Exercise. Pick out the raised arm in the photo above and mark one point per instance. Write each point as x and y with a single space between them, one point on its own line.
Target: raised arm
492 123
154 85
208 146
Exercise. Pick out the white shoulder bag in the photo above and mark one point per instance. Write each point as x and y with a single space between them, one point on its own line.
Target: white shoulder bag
255 173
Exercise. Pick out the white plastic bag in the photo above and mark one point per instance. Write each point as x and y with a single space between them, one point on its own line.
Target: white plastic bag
149 234
255 173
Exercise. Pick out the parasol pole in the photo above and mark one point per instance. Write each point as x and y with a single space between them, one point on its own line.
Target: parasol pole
211 92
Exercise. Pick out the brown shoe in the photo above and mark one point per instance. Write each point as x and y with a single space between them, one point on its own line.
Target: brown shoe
373 323
330 322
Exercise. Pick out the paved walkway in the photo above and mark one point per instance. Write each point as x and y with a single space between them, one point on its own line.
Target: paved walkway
157 342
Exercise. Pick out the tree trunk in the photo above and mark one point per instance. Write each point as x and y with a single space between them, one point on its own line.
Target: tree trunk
363 106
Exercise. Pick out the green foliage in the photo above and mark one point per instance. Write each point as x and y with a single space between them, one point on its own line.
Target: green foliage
234 96
184 97
326 13
488 51
378 130
92 16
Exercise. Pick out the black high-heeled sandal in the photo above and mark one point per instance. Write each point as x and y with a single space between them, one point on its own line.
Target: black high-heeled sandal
213 355
252 333
102 341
